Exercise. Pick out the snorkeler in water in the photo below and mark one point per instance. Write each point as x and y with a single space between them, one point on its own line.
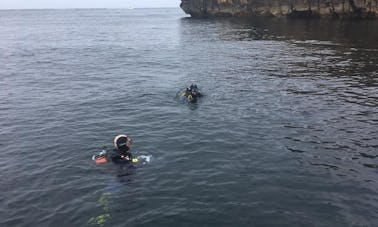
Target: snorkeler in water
191 93
120 154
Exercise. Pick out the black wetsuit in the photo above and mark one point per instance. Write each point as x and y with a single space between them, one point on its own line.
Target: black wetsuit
118 156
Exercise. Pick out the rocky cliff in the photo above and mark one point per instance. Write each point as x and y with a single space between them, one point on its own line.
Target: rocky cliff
282 8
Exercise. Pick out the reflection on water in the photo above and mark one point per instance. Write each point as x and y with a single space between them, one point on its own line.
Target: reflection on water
357 33
323 75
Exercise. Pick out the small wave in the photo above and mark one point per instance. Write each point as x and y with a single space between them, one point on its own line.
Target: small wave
295 150
324 164
368 155
375 166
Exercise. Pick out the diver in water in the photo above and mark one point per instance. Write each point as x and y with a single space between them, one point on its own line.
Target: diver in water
120 154
194 91
191 93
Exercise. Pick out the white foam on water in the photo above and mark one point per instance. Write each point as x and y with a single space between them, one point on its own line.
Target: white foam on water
145 158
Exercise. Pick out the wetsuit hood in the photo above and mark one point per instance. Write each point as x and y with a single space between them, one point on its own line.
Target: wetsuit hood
120 142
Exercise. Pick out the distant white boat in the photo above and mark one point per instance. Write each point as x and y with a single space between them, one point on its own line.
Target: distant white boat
130 7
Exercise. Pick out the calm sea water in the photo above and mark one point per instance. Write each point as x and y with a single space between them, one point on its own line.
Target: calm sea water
286 134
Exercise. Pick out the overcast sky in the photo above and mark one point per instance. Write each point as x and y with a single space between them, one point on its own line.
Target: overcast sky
52 4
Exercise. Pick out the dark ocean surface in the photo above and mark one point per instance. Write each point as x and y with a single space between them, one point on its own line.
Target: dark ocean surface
286 134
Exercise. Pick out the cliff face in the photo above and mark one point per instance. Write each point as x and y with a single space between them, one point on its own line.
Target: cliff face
282 8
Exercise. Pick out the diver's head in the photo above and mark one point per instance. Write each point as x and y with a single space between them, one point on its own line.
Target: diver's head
122 142
193 87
